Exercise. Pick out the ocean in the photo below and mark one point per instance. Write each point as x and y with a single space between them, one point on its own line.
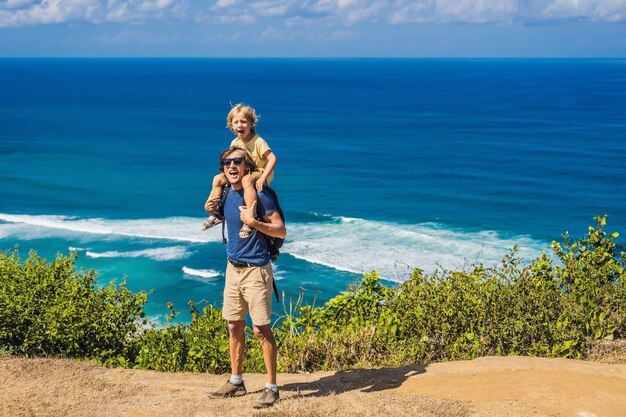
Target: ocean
383 164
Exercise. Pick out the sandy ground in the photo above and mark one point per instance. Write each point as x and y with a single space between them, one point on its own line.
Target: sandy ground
502 386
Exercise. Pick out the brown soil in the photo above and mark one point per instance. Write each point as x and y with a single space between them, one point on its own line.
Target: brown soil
503 386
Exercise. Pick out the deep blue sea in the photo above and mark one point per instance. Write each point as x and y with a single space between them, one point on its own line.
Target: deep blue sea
383 164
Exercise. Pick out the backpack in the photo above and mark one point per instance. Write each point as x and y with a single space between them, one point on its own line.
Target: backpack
273 243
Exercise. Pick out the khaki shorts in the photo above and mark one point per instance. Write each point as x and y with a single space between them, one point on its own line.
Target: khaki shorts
248 289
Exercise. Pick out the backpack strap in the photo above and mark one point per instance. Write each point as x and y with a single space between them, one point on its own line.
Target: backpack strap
272 193
275 289
221 210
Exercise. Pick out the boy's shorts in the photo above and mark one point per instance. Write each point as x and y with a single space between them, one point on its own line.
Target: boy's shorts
248 289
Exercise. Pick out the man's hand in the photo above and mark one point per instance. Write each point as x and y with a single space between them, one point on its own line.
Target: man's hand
247 214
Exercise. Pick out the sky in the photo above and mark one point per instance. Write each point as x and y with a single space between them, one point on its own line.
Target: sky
313 28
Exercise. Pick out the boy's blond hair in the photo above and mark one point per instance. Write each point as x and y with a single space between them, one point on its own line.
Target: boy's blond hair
247 111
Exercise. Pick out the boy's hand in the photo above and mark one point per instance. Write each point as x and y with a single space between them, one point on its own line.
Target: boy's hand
260 183
247 214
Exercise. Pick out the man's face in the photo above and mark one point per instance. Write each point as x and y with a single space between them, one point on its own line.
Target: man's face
234 172
241 126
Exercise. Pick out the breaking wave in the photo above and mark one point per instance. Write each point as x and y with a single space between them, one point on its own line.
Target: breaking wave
359 246
345 244
170 253
201 273
186 229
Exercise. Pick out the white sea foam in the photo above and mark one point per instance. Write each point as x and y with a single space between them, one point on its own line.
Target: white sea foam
202 273
278 274
357 245
346 244
170 253
186 229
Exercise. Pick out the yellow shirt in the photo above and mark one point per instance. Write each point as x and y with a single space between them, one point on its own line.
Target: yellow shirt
256 147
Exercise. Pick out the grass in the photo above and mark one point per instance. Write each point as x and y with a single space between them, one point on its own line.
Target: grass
608 351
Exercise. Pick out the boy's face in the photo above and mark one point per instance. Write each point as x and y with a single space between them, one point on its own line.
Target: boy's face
241 126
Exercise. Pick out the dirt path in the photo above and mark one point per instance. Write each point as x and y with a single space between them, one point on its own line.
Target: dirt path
511 386
522 386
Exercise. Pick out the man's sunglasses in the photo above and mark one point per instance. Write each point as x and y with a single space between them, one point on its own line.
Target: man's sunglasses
226 161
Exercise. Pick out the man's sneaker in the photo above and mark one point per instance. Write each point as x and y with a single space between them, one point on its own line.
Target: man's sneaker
268 398
229 390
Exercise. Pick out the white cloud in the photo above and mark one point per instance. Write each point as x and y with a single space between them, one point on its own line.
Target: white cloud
245 19
480 11
349 12
271 8
12 4
45 12
357 14
288 13
138 10
611 10
226 3
342 4
134 36
50 12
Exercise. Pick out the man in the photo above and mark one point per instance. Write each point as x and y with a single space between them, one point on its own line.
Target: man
249 280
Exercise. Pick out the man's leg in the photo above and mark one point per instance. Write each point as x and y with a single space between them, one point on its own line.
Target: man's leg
270 394
268 344
258 294
237 342
234 311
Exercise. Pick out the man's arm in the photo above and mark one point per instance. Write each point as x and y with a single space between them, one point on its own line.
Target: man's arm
273 225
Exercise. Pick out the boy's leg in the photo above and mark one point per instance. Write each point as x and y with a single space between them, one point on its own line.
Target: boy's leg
212 203
249 196
219 181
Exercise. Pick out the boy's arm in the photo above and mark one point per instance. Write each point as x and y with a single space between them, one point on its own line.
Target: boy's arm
269 168
273 225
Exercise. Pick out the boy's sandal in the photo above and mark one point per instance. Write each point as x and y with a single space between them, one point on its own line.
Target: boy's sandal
210 222
245 231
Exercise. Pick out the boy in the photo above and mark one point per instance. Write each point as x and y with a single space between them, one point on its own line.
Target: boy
241 120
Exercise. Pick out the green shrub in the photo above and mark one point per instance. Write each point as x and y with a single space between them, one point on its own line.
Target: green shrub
592 279
201 346
52 309
510 309
546 307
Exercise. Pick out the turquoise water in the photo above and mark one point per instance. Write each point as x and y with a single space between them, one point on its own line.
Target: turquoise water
383 164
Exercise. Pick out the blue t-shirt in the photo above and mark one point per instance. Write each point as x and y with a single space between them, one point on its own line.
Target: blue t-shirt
252 249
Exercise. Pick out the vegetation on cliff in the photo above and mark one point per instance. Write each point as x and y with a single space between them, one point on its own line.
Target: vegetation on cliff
553 307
